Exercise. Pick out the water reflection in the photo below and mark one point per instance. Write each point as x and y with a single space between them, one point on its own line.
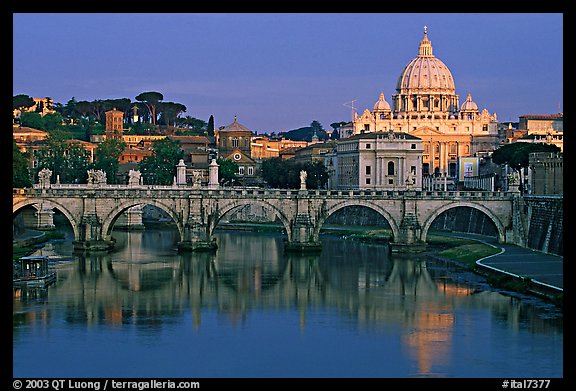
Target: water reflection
147 284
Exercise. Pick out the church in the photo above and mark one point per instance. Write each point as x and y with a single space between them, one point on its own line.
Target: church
426 106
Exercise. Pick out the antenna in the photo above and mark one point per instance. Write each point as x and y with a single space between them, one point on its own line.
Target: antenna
351 105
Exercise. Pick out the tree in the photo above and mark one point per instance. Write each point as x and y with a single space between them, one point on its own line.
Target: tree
106 158
194 125
68 161
315 125
169 112
211 126
77 164
336 125
227 170
84 107
278 174
20 171
516 154
69 110
32 120
317 174
52 121
151 100
21 102
285 174
160 168
306 133
122 104
335 135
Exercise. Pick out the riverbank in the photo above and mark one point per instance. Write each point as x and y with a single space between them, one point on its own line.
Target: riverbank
27 242
466 252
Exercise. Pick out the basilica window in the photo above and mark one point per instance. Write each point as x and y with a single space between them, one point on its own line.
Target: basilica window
368 170
235 142
390 168
250 170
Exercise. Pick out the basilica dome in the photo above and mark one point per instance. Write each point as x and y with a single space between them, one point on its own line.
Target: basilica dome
425 73
469 104
381 104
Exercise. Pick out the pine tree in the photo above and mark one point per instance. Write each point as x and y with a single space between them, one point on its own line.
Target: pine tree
211 126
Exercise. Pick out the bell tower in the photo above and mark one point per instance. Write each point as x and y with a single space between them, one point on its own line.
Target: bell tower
114 124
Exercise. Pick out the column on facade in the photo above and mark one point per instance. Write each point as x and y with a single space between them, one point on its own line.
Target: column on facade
441 156
382 172
377 172
445 147
405 171
457 154
431 158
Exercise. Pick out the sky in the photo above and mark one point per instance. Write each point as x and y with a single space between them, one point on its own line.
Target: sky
281 71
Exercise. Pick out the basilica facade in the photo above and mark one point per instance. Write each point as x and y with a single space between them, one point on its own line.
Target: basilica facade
426 106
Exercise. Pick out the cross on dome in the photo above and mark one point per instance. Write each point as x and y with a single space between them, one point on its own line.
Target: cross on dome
425 45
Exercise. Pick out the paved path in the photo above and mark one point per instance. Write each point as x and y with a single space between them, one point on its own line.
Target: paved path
544 268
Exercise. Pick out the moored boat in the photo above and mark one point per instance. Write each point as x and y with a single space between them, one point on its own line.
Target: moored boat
32 270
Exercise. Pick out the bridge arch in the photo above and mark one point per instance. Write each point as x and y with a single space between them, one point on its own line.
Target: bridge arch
232 205
113 215
488 212
341 205
50 204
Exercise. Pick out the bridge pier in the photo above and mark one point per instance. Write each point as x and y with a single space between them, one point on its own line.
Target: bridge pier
197 235
198 245
410 233
131 220
303 238
91 238
45 219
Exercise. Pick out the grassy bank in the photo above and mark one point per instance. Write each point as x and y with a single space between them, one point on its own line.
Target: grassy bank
27 247
462 251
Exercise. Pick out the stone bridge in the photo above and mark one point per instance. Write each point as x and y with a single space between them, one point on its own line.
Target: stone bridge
92 211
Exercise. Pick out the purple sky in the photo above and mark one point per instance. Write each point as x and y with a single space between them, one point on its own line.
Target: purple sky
281 71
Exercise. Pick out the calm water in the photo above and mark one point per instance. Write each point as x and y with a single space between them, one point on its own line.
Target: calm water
249 310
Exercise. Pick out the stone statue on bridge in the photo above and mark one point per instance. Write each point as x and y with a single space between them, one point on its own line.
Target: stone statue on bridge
196 178
44 177
411 179
96 177
303 175
134 177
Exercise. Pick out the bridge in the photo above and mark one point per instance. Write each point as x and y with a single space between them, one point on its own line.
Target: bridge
92 211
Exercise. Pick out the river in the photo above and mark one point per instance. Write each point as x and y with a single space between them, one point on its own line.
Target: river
251 311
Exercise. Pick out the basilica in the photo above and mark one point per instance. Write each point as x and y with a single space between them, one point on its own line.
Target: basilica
427 107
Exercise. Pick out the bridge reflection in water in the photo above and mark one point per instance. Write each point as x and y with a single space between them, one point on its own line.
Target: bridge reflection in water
367 285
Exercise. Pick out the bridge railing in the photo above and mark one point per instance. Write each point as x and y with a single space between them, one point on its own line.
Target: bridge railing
145 190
